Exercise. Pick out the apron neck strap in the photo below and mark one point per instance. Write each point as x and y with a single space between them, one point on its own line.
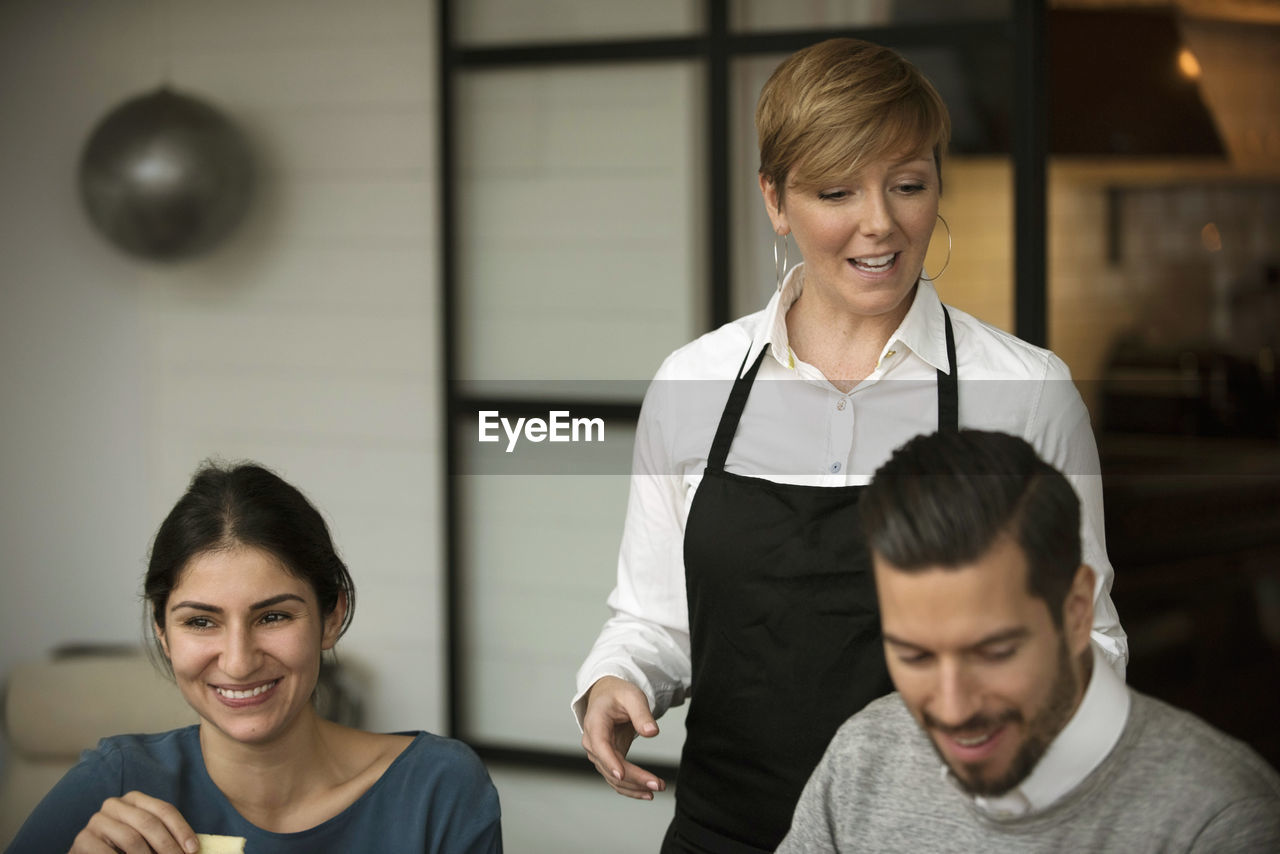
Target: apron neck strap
733 412
948 391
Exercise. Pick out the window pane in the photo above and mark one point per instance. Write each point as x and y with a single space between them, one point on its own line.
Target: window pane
580 253
541 554
772 15
1164 299
1164 266
484 22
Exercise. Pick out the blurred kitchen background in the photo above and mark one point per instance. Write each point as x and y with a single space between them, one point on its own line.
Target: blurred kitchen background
524 205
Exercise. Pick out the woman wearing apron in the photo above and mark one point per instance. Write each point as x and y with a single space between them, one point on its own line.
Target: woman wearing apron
743 582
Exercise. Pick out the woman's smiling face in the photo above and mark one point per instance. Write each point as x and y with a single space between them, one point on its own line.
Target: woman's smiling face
244 637
863 236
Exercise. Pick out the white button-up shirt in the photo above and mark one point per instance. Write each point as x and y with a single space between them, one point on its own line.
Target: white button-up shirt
799 428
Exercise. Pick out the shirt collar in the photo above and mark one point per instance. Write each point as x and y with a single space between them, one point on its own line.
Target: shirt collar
922 331
1084 742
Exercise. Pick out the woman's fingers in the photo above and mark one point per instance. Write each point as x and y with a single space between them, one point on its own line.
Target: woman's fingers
616 711
136 824
625 777
636 783
169 815
105 835
162 822
636 707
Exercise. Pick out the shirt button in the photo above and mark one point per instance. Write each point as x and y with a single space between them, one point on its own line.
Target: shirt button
891 354
842 404
835 468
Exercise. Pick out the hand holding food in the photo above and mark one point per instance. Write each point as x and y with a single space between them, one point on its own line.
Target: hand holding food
137 823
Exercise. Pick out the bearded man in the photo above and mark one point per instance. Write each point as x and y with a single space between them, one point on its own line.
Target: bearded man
1008 732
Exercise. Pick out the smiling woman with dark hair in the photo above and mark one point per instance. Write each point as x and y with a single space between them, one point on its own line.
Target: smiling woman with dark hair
246 592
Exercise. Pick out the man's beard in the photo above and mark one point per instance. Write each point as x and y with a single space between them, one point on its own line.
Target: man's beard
1044 728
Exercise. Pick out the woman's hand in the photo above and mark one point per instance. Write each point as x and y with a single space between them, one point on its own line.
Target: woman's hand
136 824
617 712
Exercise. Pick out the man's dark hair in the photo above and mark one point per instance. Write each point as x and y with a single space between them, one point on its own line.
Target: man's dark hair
943 499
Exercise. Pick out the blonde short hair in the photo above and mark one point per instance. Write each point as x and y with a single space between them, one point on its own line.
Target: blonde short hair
832 107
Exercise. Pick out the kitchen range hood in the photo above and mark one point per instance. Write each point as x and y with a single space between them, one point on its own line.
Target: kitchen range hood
1115 87
1197 78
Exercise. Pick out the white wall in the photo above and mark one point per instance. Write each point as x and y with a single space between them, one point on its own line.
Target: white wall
74 469
308 341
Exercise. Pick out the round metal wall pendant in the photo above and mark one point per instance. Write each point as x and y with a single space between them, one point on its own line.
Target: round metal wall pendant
165 176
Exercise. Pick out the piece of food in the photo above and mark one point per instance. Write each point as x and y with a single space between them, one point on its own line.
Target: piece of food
211 844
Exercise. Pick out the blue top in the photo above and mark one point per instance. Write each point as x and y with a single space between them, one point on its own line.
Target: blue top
435 797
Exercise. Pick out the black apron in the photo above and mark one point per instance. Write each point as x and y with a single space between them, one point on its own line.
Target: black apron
785 636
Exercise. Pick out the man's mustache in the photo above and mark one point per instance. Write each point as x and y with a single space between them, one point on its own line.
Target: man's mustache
979 723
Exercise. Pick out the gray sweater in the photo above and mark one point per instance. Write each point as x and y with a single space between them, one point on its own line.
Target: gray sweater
1172 783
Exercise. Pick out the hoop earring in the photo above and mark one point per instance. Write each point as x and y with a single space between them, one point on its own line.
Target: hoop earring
934 277
781 269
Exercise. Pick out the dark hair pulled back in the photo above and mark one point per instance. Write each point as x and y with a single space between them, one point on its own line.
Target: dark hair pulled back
246 505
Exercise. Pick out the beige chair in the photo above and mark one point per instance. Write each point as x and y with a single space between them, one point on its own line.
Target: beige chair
56 708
